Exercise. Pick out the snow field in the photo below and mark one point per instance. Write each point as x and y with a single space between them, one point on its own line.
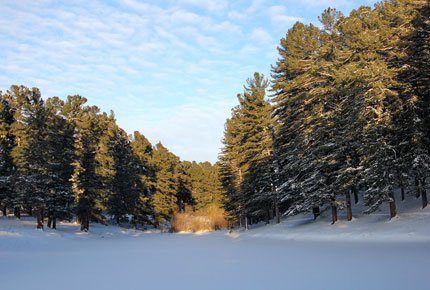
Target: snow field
368 253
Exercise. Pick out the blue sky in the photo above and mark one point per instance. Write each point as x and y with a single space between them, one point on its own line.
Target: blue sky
169 69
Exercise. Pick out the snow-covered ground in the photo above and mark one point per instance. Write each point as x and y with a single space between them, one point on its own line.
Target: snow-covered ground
368 253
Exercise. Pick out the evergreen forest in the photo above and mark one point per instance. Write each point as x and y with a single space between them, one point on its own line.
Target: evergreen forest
67 160
344 117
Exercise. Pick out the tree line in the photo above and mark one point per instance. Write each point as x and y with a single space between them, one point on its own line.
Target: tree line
66 160
348 115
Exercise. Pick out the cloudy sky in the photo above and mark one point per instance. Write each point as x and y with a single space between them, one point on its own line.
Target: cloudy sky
169 69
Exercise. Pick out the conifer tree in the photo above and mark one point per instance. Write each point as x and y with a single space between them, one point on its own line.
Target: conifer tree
86 183
164 200
125 180
60 156
415 78
6 161
29 153
142 150
185 186
247 153
231 175
297 110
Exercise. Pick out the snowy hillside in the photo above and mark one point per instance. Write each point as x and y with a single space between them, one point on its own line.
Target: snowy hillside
410 225
368 253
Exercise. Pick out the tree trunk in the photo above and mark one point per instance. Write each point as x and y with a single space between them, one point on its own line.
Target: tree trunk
333 214
85 224
42 215
278 218
54 222
402 189
39 220
417 184
267 217
4 210
316 212
272 213
424 192
246 223
348 206
355 191
392 203
30 211
49 221
393 212
17 212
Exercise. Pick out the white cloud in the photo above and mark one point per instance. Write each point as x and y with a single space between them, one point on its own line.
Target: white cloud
134 57
249 49
211 5
279 17
261 36
254 7
326 3
192 131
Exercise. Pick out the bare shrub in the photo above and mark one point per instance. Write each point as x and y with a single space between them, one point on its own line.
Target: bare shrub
206 219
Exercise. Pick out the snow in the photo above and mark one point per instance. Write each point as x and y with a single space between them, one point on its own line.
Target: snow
369 252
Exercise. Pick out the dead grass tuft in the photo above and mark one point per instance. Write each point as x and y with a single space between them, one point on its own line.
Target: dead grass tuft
206 219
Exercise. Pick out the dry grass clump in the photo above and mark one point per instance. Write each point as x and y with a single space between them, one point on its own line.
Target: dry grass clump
206 219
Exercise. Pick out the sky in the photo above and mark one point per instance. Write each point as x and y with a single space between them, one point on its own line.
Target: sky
169 69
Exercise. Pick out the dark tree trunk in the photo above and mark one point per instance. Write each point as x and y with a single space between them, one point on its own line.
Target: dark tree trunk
392 204
4 211
272 212
278 218
54 222
85 224
402 189
355 191
267 217
316 212
38 217
424 198
424 193
30 211
17 212
333 214
417 185
49 221
42 215
348 206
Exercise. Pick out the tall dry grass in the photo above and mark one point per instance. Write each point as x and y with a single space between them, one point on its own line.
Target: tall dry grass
206 219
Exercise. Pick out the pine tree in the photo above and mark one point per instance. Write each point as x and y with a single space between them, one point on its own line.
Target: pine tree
6 161
298 110
86 183
415 78
206 187
60 156
185 187
29 153
164 200
247 153
124 183
231 175
142 150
